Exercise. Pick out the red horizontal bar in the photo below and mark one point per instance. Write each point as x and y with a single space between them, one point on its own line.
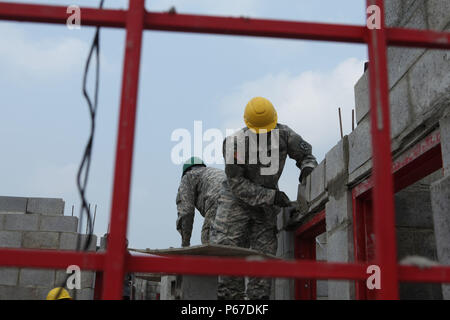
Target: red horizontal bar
59 15
255 27
418 38
438 274
319 218
51 259
225 25
243 267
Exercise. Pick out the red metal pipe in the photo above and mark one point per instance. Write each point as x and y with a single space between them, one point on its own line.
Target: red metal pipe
51 259
243 267
383 200
116 247
59 15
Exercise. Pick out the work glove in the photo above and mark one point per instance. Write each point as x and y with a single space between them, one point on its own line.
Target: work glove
281 199
306 171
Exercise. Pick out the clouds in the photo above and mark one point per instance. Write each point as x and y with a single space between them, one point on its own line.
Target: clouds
25 56
307 102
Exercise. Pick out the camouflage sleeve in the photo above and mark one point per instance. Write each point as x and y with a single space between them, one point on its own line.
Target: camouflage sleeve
245 190
186 207
300 151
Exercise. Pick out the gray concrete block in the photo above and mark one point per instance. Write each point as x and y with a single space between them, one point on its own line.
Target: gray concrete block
400 111
360 147
393 12
304 192
69 241
438 14
338 210
430 82
2 221
10 239
21 222
341 290
337 162
440 202
59 223
284 289
318 180
321 247
362 98
9 276
37 278
23 293
444 125
413 208
40 240
340 244
84 294
198 288
49 206
13 205
322 289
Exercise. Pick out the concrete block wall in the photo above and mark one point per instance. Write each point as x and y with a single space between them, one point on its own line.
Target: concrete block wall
38 223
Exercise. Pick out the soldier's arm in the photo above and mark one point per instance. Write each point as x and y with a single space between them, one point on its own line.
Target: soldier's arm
186 208
300 151
245 190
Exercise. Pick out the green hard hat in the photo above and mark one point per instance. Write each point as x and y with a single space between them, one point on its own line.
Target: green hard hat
193 161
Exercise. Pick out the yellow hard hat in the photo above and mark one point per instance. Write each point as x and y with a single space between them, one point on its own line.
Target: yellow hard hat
55 295
260 115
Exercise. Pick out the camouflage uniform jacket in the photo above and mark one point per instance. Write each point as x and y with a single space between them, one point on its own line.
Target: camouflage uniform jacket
199 188
245 180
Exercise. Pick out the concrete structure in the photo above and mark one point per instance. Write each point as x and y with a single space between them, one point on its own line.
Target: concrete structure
419 81
39 223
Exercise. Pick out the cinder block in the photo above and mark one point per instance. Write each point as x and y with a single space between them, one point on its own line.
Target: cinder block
304 191
10 239
21 222
413 208
444 125
41 240
84 294
69 241
48 206
37 278
59 223
9 276
393 12
360 147
438 14
440 203
318 180
430 82
341 289
362 98
340 243
284 289
338 210
322 288
13 205
2 221
337 162
400 111
23 293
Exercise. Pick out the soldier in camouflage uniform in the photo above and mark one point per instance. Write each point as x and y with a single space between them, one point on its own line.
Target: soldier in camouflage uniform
199 188
250 199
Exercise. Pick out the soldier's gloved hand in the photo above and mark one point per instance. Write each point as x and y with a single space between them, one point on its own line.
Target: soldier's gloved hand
281 199
306 171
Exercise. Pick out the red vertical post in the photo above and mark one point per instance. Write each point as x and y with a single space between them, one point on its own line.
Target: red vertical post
383 200
116 246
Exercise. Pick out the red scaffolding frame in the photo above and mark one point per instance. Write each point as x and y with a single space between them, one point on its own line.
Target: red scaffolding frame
116 260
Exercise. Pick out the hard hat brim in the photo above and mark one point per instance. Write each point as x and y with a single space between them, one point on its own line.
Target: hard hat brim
267 128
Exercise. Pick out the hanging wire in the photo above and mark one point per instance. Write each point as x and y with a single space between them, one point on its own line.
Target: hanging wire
83 170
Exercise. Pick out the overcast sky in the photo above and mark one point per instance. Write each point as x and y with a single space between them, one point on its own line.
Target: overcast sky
44 122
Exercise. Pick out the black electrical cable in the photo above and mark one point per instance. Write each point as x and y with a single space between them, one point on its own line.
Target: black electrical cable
83 170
